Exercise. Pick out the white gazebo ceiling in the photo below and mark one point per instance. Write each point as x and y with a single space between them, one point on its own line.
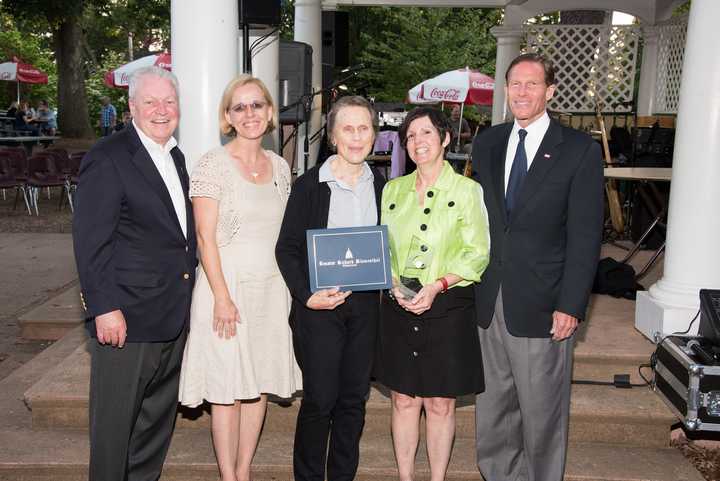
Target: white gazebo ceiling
517 11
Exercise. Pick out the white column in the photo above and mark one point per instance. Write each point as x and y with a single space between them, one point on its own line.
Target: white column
266 67
648 72
692 258
204 58
508 47
308 29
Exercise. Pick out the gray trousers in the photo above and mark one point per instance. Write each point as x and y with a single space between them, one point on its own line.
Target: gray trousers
133 401
522 417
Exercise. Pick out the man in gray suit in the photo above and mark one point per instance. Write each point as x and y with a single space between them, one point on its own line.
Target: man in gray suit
543 185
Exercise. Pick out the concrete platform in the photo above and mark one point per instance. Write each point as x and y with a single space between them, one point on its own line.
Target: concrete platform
616 435
636 416
55 318
63 457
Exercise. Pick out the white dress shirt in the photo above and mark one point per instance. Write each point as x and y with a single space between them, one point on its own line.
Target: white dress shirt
535 133
164 163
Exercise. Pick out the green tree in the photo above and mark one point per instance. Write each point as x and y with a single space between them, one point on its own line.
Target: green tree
82 39
400 47
30 48
62 20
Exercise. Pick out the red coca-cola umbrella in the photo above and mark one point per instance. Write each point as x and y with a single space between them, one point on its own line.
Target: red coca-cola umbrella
120 77
463 86
18 71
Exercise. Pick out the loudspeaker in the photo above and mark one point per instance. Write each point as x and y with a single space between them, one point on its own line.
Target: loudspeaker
259 13
295 79
335 44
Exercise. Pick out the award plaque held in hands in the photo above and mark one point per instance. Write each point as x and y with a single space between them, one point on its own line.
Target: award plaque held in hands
351 258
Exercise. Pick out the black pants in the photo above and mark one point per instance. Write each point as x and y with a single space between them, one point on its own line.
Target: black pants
133 401
335 351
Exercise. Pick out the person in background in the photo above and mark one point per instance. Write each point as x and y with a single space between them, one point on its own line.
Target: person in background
23 119
461 129
12 110
108 117
428 348
46 119
124 122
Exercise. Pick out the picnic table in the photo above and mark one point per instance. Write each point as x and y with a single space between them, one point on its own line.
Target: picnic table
28 141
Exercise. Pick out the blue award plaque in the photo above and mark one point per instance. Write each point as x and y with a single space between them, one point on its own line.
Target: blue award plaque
351 258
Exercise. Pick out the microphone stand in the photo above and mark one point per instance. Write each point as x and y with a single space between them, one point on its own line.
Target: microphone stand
306 102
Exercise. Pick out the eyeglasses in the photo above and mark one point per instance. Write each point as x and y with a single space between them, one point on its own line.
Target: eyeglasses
255 106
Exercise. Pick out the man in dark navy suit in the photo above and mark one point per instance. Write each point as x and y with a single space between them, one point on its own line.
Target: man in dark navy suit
543 187
135 246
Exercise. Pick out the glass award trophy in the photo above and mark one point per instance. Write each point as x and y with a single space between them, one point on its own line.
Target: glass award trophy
418 259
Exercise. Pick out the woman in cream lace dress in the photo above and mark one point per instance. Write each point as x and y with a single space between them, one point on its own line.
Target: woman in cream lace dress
240 347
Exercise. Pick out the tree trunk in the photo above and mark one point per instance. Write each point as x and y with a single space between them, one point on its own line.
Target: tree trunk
72 102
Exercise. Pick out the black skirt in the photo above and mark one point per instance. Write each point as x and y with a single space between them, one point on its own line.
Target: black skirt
435 354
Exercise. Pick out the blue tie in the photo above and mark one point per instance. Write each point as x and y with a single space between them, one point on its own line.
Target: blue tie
517 173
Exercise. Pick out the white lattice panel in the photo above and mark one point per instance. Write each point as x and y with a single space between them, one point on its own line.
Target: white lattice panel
671 48
589 59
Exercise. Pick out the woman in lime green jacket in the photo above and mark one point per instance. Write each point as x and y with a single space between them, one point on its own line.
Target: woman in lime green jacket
428 348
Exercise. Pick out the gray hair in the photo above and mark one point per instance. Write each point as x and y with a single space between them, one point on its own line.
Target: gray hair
152 71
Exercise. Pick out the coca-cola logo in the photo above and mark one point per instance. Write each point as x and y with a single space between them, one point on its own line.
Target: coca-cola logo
445 94
28 71
483 85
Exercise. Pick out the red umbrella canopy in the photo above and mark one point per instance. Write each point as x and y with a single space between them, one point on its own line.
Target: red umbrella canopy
458 86
18 71
481 89
120 77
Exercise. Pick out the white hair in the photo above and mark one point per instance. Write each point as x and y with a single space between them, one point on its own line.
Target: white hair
152 71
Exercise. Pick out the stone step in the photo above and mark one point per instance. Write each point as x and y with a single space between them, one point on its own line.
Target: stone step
27 455
607 343
53 319
604 371
598 413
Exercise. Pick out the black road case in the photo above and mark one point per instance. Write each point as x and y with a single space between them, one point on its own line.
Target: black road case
687 378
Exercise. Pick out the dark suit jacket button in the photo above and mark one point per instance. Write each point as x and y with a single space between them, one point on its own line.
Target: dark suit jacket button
426 210
392 206
423 227
430 193
423 248
451 203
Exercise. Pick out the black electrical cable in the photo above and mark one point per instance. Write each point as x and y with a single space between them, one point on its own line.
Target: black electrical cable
259 40
640 373
653 356
653 359
293 134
